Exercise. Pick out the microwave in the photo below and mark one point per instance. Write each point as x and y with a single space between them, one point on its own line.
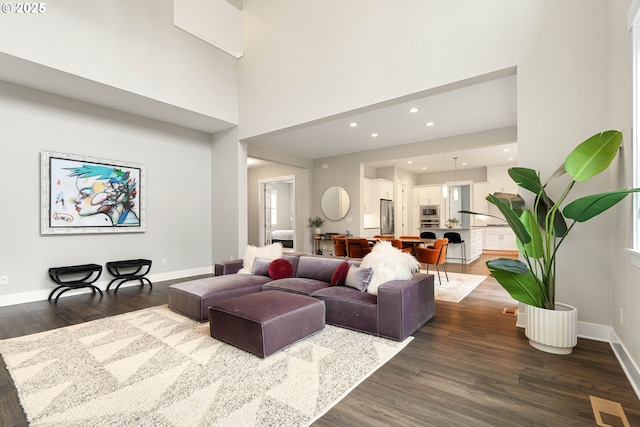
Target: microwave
430 211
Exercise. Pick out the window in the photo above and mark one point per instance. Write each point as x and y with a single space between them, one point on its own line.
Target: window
634 26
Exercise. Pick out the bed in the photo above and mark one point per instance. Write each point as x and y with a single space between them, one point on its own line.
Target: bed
283 236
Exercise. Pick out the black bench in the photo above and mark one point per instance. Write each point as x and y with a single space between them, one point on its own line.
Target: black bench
75 277
131 269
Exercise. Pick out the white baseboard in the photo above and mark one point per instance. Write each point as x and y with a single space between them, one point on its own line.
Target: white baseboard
42 295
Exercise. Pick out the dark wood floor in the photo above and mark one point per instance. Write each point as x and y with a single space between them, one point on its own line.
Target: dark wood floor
469 366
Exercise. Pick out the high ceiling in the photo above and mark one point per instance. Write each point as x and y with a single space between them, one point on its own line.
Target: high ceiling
474 108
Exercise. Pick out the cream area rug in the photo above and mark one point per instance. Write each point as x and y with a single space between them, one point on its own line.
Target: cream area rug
157 368
457 288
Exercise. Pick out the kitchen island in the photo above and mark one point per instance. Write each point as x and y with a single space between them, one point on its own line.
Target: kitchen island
472 243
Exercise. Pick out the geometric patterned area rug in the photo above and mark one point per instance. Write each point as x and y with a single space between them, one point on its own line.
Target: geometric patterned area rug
154 367
459 285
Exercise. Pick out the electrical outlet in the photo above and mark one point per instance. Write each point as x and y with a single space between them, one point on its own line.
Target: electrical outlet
164 261
4 280
621 317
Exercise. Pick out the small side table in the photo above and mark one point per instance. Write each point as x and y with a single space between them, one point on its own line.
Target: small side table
75 277
131 269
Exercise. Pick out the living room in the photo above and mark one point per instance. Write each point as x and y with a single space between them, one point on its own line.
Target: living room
116 82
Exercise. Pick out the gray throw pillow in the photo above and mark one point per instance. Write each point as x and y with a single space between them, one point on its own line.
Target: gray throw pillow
358 278
261 266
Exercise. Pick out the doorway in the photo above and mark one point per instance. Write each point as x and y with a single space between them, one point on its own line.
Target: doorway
276 207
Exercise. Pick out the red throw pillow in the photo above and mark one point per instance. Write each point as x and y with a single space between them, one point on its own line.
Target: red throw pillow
340 274
280 269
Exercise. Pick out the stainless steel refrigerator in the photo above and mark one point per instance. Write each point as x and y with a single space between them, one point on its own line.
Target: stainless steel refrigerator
386 216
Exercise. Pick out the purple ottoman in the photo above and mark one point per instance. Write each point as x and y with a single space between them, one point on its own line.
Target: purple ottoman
265 322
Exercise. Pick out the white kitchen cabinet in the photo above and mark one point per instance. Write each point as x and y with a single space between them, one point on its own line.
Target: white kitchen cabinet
499 239
384 188
475 244
367 196
374 190
500 181
480 204
429 195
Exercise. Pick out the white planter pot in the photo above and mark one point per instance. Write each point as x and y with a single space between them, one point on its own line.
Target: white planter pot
318 230
552 331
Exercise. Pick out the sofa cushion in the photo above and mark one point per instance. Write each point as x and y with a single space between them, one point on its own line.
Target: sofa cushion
296 285
319 268
359 278
340 275
261 266
350 308
193 298
280 269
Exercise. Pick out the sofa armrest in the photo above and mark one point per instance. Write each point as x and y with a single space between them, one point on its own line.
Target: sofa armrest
405 305
228 267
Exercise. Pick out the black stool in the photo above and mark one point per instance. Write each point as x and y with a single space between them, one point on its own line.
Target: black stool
454 238
78 276
131 269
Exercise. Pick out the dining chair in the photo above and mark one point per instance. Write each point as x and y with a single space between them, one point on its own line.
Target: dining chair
411 245
427 235
436 256
339 245
357 247
397 243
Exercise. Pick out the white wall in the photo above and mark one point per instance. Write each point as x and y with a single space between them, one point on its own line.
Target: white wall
131 46
178 191
302 196
377 50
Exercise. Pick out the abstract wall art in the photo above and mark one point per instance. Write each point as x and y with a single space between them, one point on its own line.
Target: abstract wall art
82 194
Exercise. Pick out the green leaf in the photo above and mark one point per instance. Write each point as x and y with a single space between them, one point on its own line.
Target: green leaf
534 248
559 223
526 178
514 200
593 155
518 280
587 207
512 218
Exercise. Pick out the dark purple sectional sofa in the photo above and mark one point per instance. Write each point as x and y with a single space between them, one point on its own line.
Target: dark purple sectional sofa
400 308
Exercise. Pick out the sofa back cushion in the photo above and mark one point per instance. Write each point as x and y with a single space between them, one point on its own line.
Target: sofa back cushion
318 268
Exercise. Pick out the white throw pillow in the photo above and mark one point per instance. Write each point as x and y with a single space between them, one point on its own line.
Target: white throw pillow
271 252
388 263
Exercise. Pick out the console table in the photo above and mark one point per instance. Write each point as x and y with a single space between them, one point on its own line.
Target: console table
131 269
75 277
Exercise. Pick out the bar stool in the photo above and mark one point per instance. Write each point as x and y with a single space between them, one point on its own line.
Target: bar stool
454 238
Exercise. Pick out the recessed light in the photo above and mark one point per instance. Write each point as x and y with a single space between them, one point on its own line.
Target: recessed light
429 124
506 149
353 124
410 161
510 158
413 110
373 135
464 163
424 167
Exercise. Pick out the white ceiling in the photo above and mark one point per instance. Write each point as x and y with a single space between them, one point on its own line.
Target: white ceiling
474 108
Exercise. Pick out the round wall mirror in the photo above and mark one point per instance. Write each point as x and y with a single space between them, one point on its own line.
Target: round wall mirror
335 203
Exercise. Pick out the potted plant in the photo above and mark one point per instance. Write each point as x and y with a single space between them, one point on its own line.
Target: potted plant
540 229
452 222
316 223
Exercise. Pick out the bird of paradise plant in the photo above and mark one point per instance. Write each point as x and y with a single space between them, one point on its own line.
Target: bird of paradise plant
542 228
